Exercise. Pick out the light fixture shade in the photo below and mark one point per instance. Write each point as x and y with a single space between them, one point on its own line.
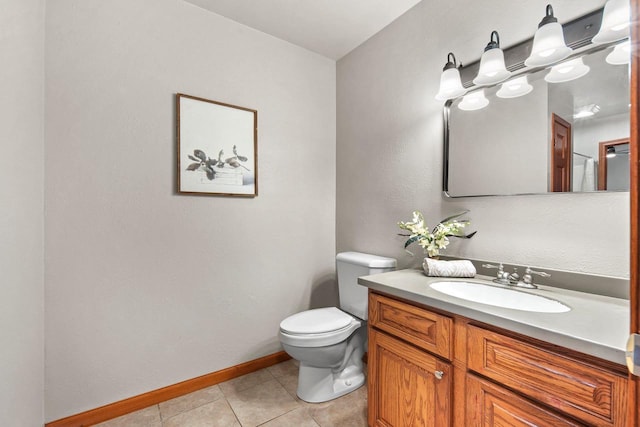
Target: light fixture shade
567 71
492 68
611 152
621 54
474 101
450 83
548 43
515 88
615 22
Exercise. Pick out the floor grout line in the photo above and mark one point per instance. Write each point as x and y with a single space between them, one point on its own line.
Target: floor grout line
275 418
310 413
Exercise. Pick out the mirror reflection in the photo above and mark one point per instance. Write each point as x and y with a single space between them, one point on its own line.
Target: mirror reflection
560 129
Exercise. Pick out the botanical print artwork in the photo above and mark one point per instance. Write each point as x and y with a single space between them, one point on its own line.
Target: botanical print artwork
207 131
212 167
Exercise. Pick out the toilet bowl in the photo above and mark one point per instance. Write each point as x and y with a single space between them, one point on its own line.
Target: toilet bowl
330 342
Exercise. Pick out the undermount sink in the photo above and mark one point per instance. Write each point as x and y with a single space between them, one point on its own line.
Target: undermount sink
500 297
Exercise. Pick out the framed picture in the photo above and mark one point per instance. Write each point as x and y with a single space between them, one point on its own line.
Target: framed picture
217 148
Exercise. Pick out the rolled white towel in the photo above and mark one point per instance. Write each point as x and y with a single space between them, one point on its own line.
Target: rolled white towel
437 268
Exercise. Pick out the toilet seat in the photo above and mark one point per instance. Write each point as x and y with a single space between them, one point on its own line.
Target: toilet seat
317 328
316 321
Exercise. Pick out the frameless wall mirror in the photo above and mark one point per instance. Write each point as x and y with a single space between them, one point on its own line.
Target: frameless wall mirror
562 128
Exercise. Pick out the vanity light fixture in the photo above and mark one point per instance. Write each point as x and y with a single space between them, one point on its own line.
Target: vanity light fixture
611 152
548 42
615 22
450 84
567 71
514 88
474 101
492 68
621 54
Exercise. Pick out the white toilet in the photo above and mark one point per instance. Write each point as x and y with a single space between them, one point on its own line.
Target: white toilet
330 342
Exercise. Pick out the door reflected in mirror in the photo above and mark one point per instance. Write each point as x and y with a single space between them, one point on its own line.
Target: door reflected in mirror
550 138
613 165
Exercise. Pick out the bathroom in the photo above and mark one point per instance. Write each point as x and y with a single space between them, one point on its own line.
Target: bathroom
115 285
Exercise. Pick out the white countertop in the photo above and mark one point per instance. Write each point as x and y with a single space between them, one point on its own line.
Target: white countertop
596 325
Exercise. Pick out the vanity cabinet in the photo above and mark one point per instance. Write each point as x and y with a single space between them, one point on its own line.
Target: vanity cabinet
409 385
432 368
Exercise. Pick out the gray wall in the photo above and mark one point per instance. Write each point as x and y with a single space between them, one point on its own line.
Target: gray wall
499 143
389 148
146 288
21 216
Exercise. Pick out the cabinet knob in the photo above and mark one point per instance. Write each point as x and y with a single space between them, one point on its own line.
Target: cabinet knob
438 374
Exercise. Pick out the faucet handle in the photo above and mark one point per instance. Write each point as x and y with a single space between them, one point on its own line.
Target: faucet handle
499 267
528 275
537 273
501 276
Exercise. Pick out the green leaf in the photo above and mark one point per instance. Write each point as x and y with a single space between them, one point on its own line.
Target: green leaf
411 240
449 218
464 236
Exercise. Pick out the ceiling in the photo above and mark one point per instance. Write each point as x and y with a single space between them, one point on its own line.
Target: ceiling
331 28
605 85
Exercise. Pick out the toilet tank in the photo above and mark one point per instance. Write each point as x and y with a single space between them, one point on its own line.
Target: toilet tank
350 266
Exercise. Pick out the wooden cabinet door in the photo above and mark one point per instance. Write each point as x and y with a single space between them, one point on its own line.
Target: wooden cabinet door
407 386
489 405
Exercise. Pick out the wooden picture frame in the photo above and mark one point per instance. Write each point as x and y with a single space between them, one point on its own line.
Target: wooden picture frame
217 146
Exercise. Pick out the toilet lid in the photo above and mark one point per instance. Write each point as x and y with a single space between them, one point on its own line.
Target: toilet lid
316 321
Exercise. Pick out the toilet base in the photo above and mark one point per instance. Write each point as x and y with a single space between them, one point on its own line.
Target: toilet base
317 385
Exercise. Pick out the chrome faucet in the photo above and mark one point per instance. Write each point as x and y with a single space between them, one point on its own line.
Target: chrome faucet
513 279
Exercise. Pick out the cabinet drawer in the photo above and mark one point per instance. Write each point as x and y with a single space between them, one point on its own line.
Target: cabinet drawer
586 392
423 328
491 405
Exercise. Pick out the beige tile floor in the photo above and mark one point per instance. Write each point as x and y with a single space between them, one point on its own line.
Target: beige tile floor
263 398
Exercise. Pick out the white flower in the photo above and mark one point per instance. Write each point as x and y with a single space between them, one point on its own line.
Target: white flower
432 241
